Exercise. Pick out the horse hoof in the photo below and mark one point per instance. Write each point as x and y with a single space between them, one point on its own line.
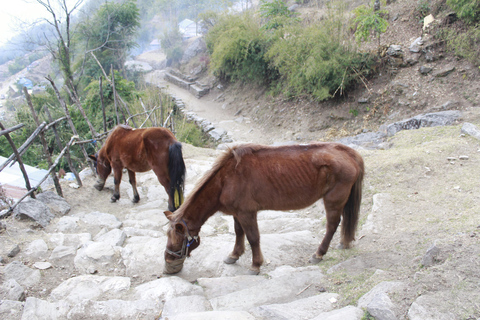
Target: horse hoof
98 186
314 259
229 260
253 272
343 246
113 200
136 200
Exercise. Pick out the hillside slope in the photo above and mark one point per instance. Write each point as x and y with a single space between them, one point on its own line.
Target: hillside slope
410 83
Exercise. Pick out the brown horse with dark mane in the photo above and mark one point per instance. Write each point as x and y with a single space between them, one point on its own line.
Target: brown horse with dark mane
249 178
141 150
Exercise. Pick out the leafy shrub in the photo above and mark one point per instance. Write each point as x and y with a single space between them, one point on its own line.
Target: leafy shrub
463 44
422 9
312 61
369 20
238 45
276 14
18 65
172 45
467 10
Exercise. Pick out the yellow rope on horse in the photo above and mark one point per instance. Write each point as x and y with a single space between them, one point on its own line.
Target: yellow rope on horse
178 199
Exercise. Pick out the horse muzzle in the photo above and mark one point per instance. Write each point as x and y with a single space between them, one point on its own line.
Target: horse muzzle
99 185
174 266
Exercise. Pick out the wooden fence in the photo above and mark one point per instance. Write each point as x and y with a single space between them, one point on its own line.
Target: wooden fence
150 116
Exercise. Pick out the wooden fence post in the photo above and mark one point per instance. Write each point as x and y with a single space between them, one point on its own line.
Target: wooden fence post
69 119
19 159
23 148
115 101
58 187
103 104
67 153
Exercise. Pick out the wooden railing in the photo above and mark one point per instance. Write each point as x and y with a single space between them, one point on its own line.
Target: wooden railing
74 140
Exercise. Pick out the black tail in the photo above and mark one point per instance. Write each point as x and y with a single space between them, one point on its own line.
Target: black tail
176 171
352 208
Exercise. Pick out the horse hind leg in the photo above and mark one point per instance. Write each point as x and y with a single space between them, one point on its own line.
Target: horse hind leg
333 220
239 247
334 201
133 182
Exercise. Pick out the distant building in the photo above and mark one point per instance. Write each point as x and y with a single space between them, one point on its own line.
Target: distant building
155 45
188 29
25 83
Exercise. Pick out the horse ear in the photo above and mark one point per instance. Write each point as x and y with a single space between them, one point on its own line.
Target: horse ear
180 228
168 214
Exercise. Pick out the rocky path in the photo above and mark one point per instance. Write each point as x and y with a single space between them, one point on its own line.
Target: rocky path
104 260
226 116
99 260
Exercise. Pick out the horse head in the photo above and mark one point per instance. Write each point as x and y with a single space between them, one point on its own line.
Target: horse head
180 243
102 169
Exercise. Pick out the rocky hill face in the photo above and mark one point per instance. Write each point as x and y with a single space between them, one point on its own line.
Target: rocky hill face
418 75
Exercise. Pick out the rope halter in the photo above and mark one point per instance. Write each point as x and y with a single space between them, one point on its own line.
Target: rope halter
188 240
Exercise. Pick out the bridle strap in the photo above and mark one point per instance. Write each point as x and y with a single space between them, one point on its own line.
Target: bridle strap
188 240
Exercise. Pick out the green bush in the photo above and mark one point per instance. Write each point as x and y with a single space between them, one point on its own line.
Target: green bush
463 44
238 45
313 62
171 41
276 14
18 65
467 10
422 9
367 20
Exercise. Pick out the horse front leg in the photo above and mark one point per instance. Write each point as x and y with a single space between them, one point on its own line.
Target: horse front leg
117 178
249 224
239 247
99 184
133 181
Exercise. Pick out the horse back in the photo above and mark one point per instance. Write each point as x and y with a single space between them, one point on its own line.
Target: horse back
286 177
137 149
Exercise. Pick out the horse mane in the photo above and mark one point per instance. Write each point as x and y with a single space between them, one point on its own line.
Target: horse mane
236 152
124 126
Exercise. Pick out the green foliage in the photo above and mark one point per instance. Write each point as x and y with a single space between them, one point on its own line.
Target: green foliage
110 34
19 64
368 20
467 10
422 9
126 90
463 44
238 46
209 18
367 316
276 14
312 61
172 45
190 133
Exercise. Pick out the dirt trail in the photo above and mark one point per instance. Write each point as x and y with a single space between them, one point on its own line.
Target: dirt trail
222 114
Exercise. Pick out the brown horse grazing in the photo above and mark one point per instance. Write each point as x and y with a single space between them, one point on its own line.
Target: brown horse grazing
140 150
249 178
